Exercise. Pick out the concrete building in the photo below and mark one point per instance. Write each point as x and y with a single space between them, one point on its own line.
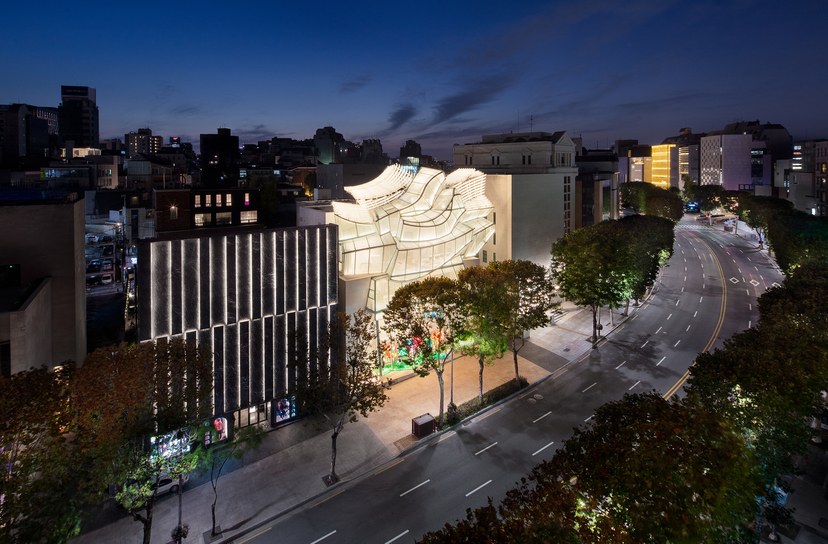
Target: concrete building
531 183
219 159
821 176
43 296
597 187
189 209
142 143
78 116
253 298
330 145
726 160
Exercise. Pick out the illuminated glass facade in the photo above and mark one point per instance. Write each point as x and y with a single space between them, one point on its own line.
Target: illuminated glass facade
248 296
663 169
406 225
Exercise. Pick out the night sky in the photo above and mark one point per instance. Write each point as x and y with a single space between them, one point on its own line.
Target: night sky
437 72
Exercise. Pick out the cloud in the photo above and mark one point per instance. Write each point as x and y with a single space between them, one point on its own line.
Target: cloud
401 115
186 110
475 94
355 83
254 134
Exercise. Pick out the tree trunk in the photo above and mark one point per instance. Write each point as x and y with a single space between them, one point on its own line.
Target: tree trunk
627 308
594 325
213 508
481 362
515 350
332 477
442 391
179 538
148 525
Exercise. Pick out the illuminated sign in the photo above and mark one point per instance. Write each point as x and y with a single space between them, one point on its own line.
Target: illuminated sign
284 409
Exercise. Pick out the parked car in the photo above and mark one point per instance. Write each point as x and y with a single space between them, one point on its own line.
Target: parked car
166 484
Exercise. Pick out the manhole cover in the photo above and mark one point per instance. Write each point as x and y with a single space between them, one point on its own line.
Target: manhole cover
537 396
530 400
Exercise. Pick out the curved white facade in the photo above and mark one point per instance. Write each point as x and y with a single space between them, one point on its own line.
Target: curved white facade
405 226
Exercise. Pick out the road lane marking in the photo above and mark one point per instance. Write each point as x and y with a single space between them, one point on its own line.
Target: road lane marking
750 323
687 329
590 387
257 535
484 449
739 269
644 344
677 303
669 316
659 330
446 436
661 361
685 278
543 448
541 417
329 497
700 299
682 289
694 313
750 306
756 268
324 537
633 317
478 488
402 534
677 343
487 414
633 385
415 487
590 417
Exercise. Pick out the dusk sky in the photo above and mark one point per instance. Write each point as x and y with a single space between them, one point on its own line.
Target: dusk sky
436 72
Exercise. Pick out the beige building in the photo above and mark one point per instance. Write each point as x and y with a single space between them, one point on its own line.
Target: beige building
43 296
531 183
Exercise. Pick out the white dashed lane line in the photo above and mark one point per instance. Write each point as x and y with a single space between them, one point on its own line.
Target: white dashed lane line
478 488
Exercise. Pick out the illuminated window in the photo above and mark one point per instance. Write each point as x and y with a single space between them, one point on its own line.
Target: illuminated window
249 217
173 213
247 199
208 200
224 218
197 201
218 200
203 219
228 199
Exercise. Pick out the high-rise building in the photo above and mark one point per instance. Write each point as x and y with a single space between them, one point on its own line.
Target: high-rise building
219 159
664 170
78 116
329 144
728 160
142 142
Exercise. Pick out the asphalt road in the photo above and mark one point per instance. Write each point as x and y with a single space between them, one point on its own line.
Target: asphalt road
706 294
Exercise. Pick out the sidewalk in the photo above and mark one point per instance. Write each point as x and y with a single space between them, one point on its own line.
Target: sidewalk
286 471
288 468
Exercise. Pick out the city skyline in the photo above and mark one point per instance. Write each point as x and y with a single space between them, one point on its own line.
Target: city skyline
439 74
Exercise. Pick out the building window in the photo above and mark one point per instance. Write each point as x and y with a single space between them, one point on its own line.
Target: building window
173 213
247 199
494 238
485 256
523 158
203 219
494 256
208 200
218 200
224 218
228 199
493 160
197 201
528 159
494 218
249 217
498 160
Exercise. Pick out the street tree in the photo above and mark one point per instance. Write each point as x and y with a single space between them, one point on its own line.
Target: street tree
135 406
594 267
759 211
342 386
651 470
650 240
37 483
529 296
214 457
485 334
423 319
652 200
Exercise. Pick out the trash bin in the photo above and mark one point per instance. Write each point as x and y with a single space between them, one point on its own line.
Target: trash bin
422 426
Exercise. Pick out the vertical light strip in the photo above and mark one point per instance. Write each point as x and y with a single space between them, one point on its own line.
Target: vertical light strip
197 324
238 323
152 285
182 246
250 311
169 288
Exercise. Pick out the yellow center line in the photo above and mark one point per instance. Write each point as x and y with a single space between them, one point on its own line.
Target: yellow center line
672 391
392 465
251 537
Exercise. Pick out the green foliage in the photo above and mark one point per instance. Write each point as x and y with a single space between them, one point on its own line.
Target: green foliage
595 266
490 397
529 295
484 334
759 211
125 394
652 200
38 481
424 318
